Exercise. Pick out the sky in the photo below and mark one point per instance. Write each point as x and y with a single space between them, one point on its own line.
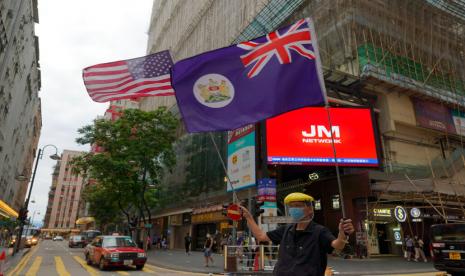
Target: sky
73 35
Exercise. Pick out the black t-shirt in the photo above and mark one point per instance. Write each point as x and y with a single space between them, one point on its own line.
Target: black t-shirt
187 239
302 253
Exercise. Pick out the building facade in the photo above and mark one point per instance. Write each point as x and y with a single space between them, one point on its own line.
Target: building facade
51 193
20 108
388 57
65 197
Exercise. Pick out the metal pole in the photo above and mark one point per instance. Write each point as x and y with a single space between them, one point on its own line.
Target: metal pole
339 183
26 204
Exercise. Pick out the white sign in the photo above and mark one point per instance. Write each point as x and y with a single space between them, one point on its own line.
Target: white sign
400 213
415 212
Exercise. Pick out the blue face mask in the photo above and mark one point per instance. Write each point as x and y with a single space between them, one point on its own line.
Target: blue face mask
296 213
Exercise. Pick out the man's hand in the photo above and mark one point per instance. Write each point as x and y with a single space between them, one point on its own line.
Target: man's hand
346 227
245 213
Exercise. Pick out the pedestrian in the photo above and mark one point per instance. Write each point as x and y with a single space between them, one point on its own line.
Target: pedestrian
410 248
207 250
304 244
149 242
187 243
164 243
419 252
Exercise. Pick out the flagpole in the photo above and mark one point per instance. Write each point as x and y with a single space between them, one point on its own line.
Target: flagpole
235 198
338 175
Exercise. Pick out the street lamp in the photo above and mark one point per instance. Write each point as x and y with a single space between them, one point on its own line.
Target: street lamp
23 210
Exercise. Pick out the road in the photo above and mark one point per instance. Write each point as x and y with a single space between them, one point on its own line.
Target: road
50 258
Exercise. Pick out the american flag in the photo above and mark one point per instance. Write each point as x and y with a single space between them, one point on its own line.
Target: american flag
139 77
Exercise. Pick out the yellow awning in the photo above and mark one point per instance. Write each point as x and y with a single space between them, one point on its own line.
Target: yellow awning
84 220
7 211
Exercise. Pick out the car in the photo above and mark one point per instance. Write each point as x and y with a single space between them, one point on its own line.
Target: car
58 238
89 235
114 251
31 241
448 247
76 241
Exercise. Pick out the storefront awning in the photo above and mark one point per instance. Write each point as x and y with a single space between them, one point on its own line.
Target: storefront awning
7 211
85 220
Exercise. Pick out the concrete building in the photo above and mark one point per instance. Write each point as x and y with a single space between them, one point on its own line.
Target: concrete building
51 193
404 60
20 108
65 197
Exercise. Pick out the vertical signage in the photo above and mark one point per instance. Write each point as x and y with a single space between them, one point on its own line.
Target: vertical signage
241 158
266 192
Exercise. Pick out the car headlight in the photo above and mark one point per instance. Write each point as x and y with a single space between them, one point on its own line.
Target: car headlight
112 255
141 255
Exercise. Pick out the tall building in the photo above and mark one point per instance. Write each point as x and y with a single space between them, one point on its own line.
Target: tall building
20 108
65 197
51 193
403 60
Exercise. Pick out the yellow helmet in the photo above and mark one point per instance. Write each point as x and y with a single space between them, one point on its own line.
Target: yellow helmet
293 197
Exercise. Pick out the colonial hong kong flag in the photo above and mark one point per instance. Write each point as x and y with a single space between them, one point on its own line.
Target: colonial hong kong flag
139 77
241 84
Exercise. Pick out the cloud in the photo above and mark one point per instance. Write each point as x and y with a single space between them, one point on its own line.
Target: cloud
74 35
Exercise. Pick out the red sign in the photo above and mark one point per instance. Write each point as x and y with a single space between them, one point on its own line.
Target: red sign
234 212
303 136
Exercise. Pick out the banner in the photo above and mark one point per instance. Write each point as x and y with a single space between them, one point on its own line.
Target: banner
241 158
433 115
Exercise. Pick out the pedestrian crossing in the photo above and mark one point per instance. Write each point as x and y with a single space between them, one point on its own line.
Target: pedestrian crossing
31 264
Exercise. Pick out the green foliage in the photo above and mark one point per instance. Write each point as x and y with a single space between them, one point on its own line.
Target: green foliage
137 149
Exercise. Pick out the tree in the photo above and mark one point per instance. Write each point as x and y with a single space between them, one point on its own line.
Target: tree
137 150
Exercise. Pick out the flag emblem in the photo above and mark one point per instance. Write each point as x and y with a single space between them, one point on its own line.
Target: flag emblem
133 78
214 90
296 38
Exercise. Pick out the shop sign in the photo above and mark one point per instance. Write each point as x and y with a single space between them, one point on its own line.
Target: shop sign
400 213
384 212
176 220
415 213
266 190
241 158
207 217
397 236
433 115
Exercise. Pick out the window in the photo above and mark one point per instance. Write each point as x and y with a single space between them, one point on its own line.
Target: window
336 202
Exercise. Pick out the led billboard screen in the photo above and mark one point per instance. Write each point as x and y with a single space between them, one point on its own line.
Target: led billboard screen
303 137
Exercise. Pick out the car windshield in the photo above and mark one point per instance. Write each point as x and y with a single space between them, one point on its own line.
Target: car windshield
448 232
77 238
118 242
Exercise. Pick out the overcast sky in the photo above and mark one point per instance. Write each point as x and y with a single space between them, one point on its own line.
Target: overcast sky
73 35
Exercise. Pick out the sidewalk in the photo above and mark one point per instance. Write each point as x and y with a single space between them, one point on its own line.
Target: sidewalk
178 260
11 261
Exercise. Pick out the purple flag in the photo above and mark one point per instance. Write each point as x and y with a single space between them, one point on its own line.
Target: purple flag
241 84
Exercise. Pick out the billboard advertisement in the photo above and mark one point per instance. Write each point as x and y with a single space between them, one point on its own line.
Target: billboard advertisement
241 158
303 137
433 115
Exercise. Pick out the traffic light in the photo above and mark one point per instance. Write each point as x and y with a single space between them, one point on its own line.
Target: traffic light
224 210
257 204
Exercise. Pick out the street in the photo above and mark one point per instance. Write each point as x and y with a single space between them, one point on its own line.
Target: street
55 258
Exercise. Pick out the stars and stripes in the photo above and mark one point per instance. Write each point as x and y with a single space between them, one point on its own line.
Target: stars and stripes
134 78
295 38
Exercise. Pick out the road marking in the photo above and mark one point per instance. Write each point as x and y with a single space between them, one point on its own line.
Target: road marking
148 270
175 271
60 267
20 266
83 263
122 273
34 267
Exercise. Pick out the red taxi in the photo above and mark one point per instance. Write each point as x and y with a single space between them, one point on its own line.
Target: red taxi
114 251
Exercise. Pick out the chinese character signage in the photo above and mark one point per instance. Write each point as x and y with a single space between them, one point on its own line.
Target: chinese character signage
241 158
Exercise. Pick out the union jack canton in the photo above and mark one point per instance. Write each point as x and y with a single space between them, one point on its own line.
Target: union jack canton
296 37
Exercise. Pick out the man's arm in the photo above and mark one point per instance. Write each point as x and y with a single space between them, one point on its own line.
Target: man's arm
345 226
259 234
